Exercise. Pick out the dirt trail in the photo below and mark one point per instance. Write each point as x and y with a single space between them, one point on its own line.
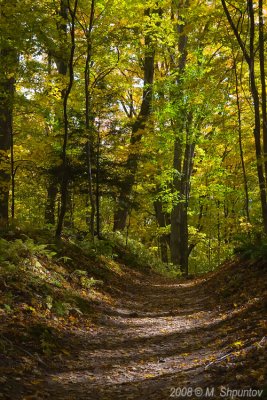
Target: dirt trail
158 337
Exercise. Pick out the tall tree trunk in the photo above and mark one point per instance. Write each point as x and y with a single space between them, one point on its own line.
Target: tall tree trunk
65 161
51 201
6 117
249 55
240 141
163 221
257 118
175 238
181 165
62 68
89 122
183 160
8 66
13 173
263 87
185 189
68 220
124 199
97 185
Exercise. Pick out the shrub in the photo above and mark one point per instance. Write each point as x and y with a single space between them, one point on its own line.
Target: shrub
253 246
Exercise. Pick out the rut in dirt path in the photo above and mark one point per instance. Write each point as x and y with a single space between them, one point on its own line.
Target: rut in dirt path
159 336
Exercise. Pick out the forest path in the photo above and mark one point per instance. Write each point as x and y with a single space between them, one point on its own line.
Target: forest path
159 336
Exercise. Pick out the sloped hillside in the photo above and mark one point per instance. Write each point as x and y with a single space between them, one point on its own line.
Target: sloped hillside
79 325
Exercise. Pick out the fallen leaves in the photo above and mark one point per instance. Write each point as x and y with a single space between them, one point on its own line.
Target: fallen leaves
238 344
129 346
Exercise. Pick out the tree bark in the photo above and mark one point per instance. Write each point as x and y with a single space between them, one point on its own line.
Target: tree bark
175 238
263 87
8 67
97 185
240 141
62 69
163 221
89 122
6 118
182 162
65 161
124 199
257 117
249 55
51 201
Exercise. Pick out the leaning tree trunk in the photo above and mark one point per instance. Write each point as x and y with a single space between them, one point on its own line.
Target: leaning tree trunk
257 118
124 199
260 135
240 142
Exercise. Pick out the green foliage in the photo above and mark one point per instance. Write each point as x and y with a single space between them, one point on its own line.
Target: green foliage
114 246
98 247
81 277
196 104
19 261
253 246
45 336
61 308
135 253
17 250
208 255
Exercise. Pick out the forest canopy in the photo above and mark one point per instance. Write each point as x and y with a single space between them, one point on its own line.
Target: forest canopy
146 119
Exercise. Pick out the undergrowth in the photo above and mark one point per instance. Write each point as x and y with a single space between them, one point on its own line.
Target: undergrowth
36 279
55 284
131 252
253 246
59 280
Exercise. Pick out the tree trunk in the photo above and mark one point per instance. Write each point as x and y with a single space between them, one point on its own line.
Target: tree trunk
89 122
8 63
181 165
68 221
62 69
257 118
97 185
240 141
51 201
65 161
124 199
183 159
185 189
163 221
249 55
175 238
263 87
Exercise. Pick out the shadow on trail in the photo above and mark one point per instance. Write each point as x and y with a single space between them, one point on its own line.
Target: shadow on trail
157 336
